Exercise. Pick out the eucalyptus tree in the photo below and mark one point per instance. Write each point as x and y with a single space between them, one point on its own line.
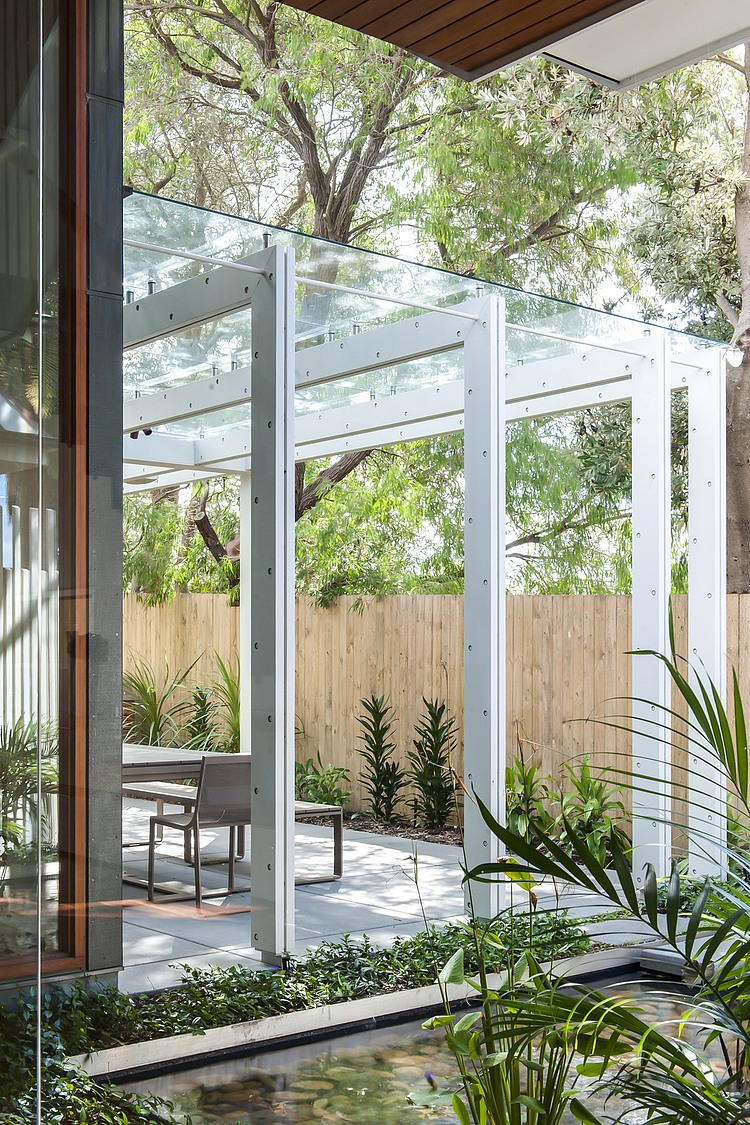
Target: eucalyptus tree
279 116
688 236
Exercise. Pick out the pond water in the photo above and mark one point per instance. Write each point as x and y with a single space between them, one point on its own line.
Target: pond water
365 1078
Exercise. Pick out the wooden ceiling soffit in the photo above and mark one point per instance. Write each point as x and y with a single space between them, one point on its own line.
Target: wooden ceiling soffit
470 38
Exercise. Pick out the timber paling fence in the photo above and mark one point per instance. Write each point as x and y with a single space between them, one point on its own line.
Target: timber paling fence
566 656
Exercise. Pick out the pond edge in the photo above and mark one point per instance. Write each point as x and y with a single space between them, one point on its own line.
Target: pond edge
187 1050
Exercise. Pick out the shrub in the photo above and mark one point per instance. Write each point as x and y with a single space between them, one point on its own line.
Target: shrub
325 784
527 798
153 715
382 777
590 812
201 731
431 760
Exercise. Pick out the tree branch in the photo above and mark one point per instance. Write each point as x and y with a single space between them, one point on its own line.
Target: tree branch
307 497
728 309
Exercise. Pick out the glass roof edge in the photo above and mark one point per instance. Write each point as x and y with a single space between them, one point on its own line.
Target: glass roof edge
705 340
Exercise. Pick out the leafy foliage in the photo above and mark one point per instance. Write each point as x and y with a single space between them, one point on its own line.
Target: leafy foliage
673 1082
66 1094
324 784
21 813
515 1069
527 797
153 714
591 810
686 133
87 1020
382 777
431 763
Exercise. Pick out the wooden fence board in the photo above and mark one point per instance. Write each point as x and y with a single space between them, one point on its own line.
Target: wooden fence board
566 657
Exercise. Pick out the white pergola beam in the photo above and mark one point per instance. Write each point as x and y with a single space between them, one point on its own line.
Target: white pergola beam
207 296
189 400
157 479
381 415
165 451
397 342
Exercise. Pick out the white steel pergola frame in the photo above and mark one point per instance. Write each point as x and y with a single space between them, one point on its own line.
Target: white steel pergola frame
489 396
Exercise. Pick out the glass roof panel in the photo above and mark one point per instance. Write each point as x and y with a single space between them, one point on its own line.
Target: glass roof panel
537 327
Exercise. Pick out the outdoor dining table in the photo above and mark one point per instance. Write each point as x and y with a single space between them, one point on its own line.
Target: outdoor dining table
160 763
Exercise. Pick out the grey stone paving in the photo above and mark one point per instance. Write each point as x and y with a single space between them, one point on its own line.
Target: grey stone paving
390 887
378 895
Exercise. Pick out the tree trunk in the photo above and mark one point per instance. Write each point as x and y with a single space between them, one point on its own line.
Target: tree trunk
738 388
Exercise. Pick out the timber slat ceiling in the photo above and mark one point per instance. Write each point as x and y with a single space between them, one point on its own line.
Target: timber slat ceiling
467 37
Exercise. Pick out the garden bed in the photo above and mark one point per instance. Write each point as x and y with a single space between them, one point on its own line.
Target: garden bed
185 1050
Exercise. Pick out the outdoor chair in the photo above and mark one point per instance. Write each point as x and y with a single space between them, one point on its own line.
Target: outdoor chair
222 801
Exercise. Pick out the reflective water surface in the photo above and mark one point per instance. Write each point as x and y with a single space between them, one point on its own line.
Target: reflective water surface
365 1078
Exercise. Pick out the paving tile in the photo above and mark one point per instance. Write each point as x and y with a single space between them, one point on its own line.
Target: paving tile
141 945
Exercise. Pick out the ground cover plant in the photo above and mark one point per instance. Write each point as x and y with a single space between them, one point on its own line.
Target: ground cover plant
89 1020
629 1062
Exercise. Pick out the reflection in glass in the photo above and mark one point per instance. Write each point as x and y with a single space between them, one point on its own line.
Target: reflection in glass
29 354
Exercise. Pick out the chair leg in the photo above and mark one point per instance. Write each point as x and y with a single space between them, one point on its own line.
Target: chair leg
232 834
152 837
338 844
197 865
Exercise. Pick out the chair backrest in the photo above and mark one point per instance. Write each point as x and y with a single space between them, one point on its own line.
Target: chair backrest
224 789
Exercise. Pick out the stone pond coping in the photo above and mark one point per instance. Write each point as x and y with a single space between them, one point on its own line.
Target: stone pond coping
187 1049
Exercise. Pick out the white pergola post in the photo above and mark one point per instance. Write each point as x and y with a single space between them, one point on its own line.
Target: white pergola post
707 600
651 760
484 591
245 610
271 572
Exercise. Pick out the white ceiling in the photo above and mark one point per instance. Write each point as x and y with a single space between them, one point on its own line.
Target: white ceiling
653 37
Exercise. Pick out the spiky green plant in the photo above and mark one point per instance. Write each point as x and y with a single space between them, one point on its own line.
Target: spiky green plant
383 777
431 760
201 729
657 1071
154 714
226 690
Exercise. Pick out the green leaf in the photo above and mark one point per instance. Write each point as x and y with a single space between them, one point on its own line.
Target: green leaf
592 1069
582 1113
460 1110
530 1103
496 1058
453 971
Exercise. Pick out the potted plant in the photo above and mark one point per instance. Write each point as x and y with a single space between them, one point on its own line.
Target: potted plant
23 816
